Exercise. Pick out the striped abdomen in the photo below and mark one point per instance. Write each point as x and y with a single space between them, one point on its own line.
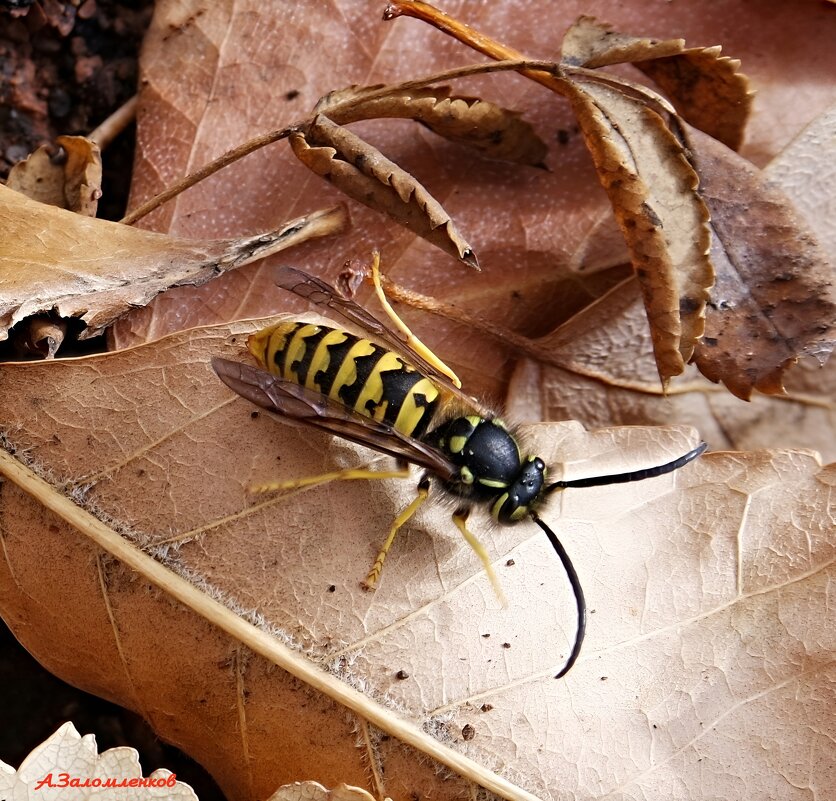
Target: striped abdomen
351 371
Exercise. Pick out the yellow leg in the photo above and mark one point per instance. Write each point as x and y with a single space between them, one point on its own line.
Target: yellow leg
412 340
400 520
353 474
460 519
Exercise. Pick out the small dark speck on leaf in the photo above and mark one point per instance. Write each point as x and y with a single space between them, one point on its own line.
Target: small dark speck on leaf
468 732
486 635
486 707
562 136
402 674
604 678
254 415
291 95
332 588
510 563
506 645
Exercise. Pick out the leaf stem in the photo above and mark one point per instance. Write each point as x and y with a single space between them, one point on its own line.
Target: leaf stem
258 142
550 78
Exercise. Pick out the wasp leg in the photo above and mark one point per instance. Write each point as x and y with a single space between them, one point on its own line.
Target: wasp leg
400 520
412 340
460 519
352 474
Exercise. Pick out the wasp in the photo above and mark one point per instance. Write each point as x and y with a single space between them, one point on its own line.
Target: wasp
389 392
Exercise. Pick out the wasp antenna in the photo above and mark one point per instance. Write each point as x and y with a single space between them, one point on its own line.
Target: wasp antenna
576 589
636 475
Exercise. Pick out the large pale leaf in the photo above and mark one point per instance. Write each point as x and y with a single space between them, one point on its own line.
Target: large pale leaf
709 590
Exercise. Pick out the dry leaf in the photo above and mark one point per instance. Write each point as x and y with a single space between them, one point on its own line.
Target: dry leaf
653 191
774 298
312 791
598 367
806 173
709 588
704 86
495 132
40 335
644 166
95 270
365 174
70 179
589 43
67 765
525 224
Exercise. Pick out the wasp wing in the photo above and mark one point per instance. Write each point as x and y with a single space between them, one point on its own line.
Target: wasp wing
317 291
300 405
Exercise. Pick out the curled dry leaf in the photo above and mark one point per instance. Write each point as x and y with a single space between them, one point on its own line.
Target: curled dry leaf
41 335
67 765
644 167
715 637
653 190
95 270
70 179
597 368
495 132
365 174
589 43
522 222
774 298
704 86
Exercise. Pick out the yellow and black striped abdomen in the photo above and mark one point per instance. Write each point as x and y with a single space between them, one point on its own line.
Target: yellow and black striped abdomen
351 371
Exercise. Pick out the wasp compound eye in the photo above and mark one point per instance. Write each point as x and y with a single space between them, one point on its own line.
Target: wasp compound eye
514 504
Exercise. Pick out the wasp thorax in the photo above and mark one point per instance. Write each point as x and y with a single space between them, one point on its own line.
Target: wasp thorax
490 466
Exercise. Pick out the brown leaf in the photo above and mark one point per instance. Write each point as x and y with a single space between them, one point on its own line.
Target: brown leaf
70 179
644 167
746 536
806 173
365 174
589 43
97 270
523 223
704 86
707 90
652 188
40 335
774 299
598 368
495 132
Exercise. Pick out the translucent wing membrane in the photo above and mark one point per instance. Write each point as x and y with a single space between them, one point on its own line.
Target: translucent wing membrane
300 405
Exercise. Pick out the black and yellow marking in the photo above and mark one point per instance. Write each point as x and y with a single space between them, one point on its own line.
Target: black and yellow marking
350 370
470 452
